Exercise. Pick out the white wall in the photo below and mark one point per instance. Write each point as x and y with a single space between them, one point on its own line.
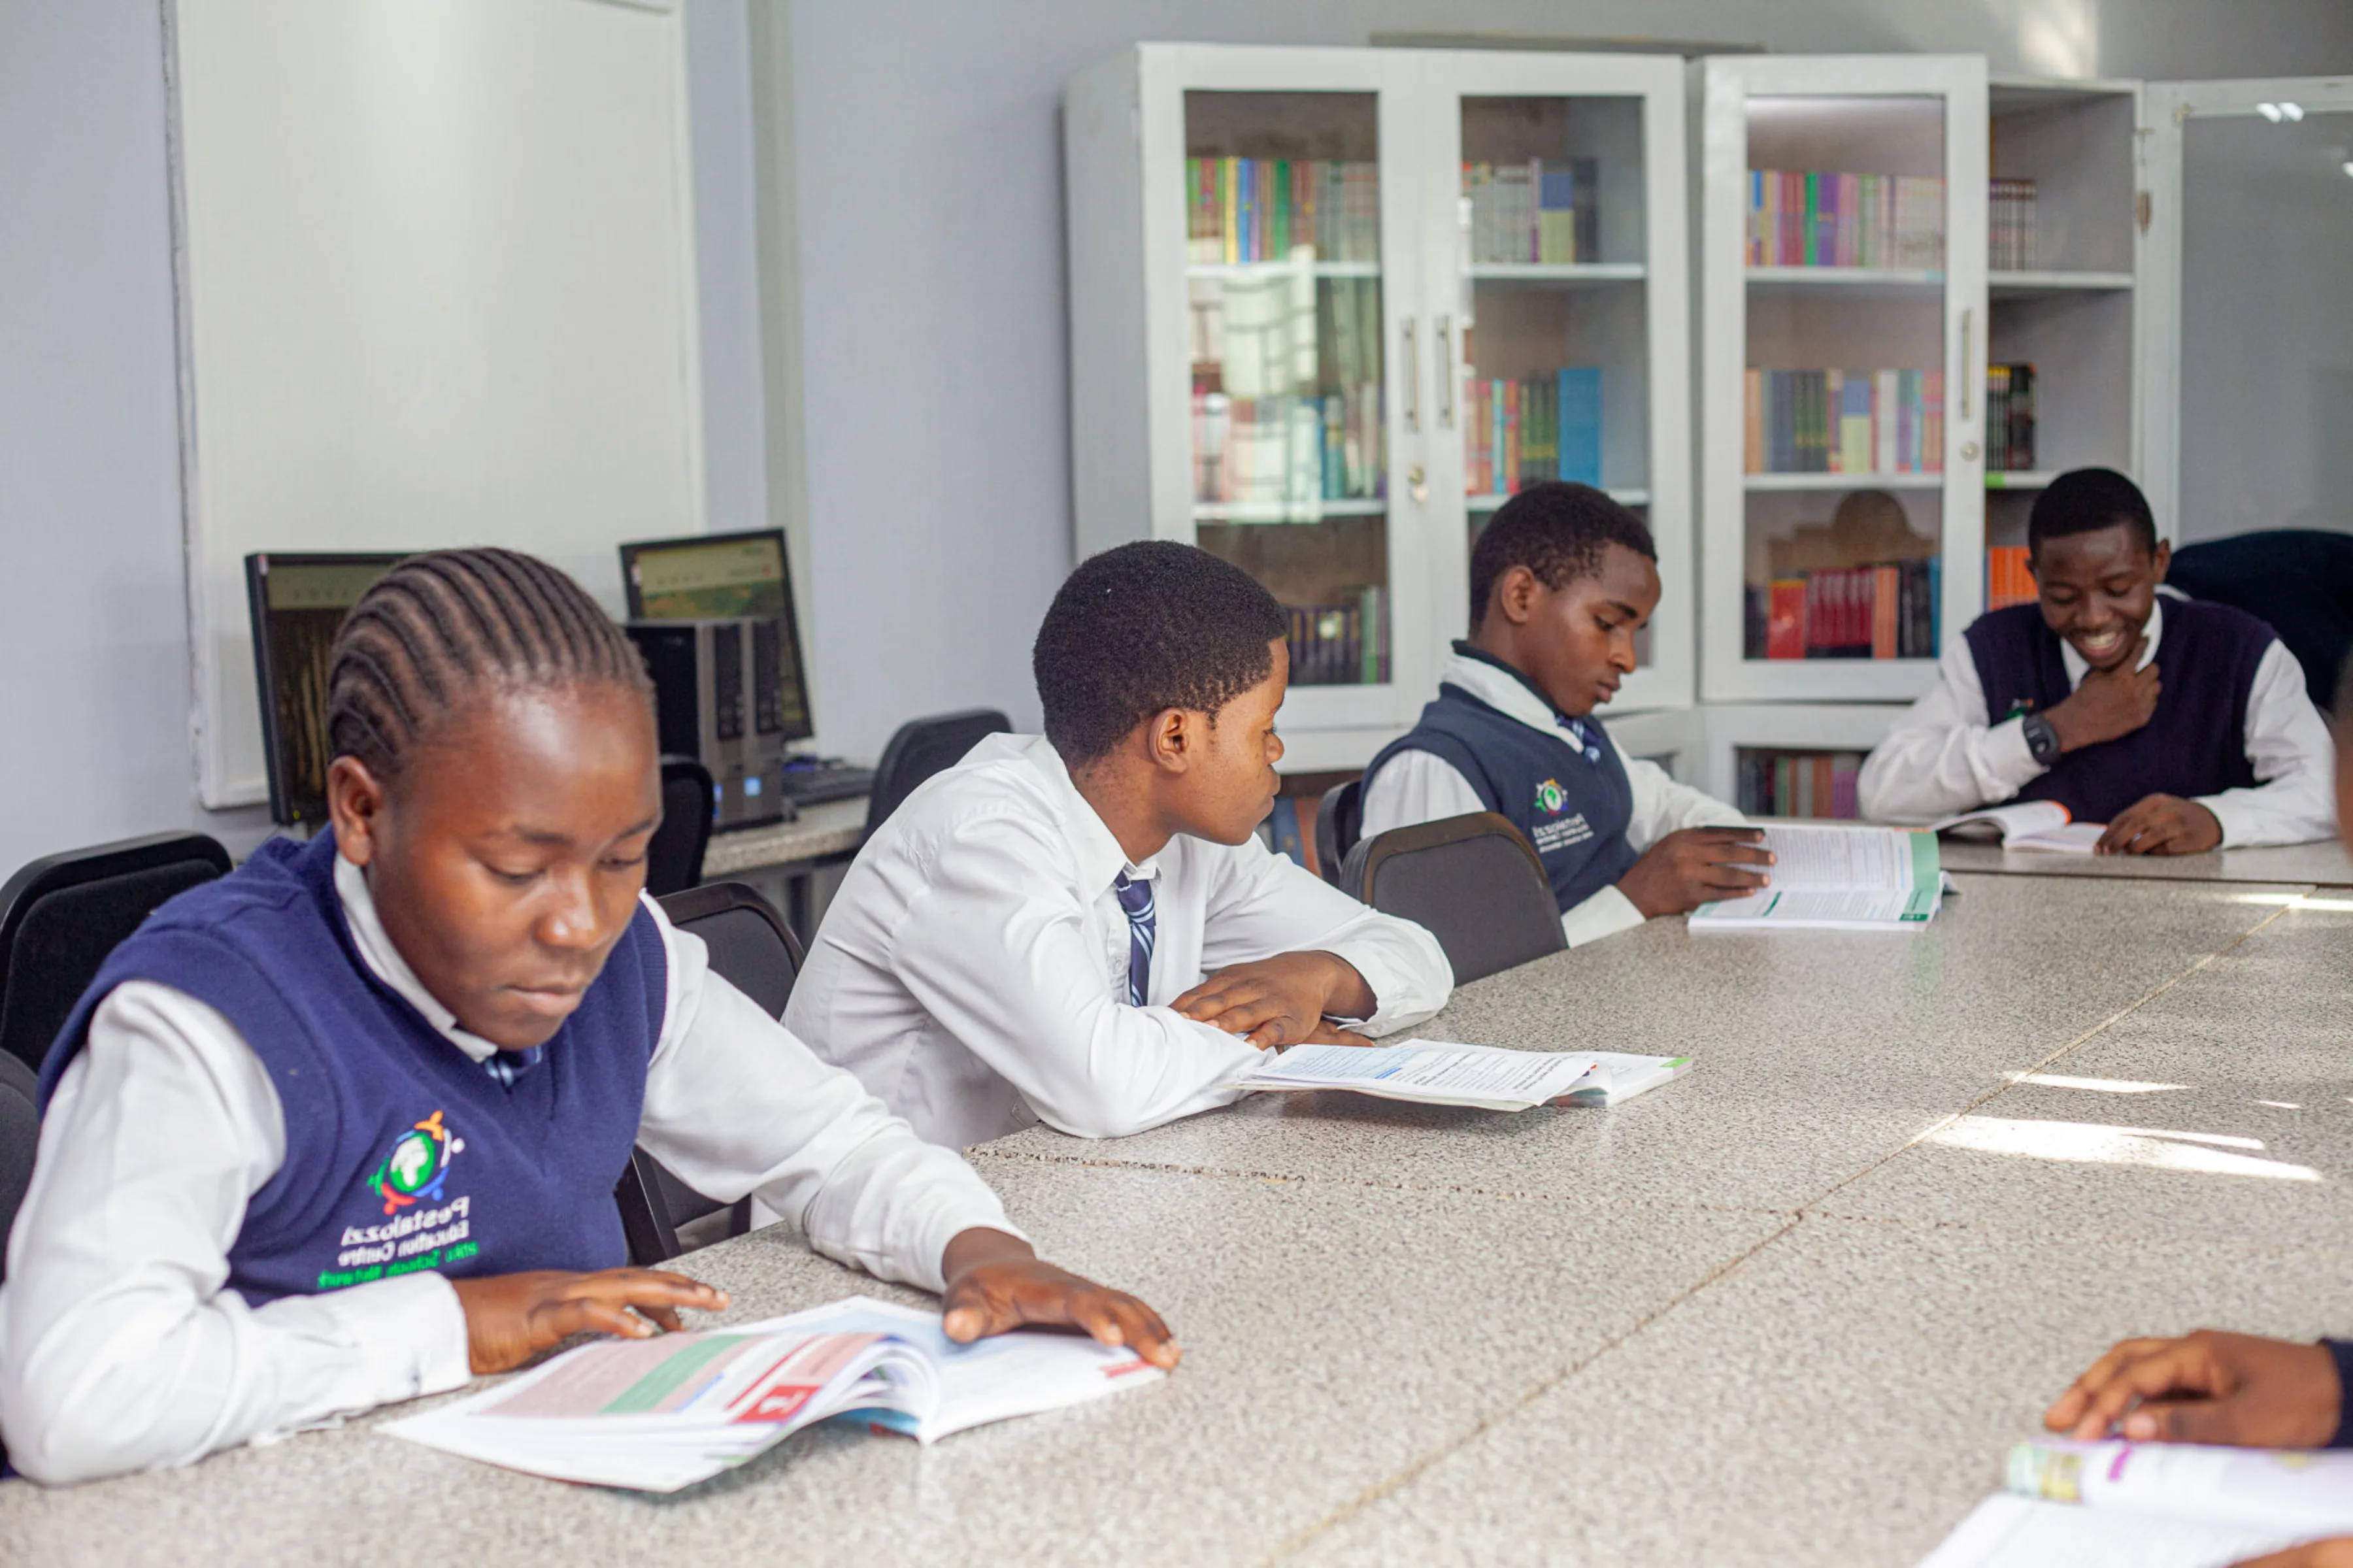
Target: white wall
935 347
928 168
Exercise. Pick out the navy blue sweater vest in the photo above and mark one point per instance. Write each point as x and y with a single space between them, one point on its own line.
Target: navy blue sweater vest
1573 810
2194 744
402 1153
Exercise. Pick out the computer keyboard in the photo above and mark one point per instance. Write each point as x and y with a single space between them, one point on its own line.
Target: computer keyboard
813 781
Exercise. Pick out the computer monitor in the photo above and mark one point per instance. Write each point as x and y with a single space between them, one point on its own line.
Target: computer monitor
717 576
298 603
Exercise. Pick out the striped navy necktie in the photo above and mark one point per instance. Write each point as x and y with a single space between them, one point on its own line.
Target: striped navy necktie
1582 737
1136 899
508 1065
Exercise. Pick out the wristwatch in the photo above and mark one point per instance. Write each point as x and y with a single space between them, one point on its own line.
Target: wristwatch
2042 738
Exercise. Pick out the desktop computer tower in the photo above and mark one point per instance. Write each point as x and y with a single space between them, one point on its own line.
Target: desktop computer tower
718 697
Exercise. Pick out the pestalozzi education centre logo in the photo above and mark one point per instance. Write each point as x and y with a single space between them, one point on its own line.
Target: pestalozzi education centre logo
1551 799
416 1165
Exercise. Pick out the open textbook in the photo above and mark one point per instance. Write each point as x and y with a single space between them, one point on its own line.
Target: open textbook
2043 825
661 1414
2150 1505
1489 1078
1829 876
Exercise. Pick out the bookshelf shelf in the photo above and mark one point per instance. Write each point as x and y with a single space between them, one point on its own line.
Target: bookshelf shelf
2028 284
1630 497
1420 241
1800 482
1860 278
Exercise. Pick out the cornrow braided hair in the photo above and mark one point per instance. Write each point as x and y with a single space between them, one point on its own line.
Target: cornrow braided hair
451 625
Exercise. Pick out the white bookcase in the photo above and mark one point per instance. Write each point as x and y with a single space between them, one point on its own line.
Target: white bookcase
1304 398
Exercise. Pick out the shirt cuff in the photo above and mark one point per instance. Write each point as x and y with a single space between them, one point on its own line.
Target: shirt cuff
412 1332
1604 913
2236 828
2009 758
2341 1351
932 1249
1387 983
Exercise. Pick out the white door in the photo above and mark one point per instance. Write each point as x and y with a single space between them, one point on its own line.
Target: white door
2248 324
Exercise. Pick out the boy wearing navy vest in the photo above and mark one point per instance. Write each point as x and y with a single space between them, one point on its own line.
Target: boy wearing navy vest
343 1127
1561 580
2183 725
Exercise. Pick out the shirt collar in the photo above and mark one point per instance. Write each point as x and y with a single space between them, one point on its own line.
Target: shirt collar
2074 661
1100 858
1502 688
385 961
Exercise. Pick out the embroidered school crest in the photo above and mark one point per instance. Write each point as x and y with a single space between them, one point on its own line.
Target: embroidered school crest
416 1164
1551 799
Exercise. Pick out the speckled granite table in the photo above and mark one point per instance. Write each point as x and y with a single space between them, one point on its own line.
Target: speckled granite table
1788 1309
2326 863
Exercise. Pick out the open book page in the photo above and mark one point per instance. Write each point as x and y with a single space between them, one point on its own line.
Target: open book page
1429 1072
2259 1488
2011 1532
1617 1078
2042 825
1833 877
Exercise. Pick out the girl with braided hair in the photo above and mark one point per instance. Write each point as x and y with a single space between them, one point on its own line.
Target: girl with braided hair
343 1127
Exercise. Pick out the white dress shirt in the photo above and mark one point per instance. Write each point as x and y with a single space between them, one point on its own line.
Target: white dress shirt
120 1350
1945 756
1421 786
972 969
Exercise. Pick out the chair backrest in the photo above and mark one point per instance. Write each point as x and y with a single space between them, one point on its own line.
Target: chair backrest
756 952
20 1135
674 855
1339 822
2299 581
923 747
1471 881
62 914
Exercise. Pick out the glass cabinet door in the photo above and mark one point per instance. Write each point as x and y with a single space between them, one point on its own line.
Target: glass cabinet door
1854 284
1284 295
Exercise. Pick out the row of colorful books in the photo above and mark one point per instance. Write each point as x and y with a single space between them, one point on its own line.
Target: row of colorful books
1520 433
1844 421
1533 211
2008 579
1341 645
1289 450
2009 417
2010 226
1798 219
1847 612
1281 209
1797 784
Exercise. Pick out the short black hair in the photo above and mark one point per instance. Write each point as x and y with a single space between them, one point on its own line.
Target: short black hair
445 626
2085 501
1556 530
1145 627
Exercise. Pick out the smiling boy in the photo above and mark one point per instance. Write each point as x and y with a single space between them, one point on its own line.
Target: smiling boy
1082 928
2181 724
1561 580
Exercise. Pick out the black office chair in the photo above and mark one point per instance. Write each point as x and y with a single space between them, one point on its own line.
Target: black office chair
62 914
1471 881
20 1135
923 747
2299 581
1339 823
753 948
674 855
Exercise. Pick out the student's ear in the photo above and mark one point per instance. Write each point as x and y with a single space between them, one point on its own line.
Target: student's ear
1170 738
356 806
1516 593
2164 558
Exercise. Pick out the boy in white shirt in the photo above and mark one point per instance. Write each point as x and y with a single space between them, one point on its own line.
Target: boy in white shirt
1561 579
1082 928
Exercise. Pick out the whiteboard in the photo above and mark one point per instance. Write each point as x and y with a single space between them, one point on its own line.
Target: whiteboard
434 266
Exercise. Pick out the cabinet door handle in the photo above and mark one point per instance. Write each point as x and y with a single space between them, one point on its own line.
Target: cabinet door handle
1446 372
1969 322
1412 380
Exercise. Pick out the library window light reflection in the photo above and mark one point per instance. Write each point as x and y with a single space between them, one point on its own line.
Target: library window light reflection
2087 1142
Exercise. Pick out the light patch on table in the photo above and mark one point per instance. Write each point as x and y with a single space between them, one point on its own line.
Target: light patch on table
2099 1084
2294 901
2209 1153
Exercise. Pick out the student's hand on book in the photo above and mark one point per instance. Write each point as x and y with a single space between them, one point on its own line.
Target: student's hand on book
1280 1000
2208 1387
2161 824
1697 866
2108 703
997 1283
2333 1554
511 1318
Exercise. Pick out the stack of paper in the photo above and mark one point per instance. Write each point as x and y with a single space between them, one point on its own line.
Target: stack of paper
1829 877
661 1414
1433 1072
2043 825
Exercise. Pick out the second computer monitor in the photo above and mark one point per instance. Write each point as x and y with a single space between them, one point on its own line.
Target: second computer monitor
722 576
